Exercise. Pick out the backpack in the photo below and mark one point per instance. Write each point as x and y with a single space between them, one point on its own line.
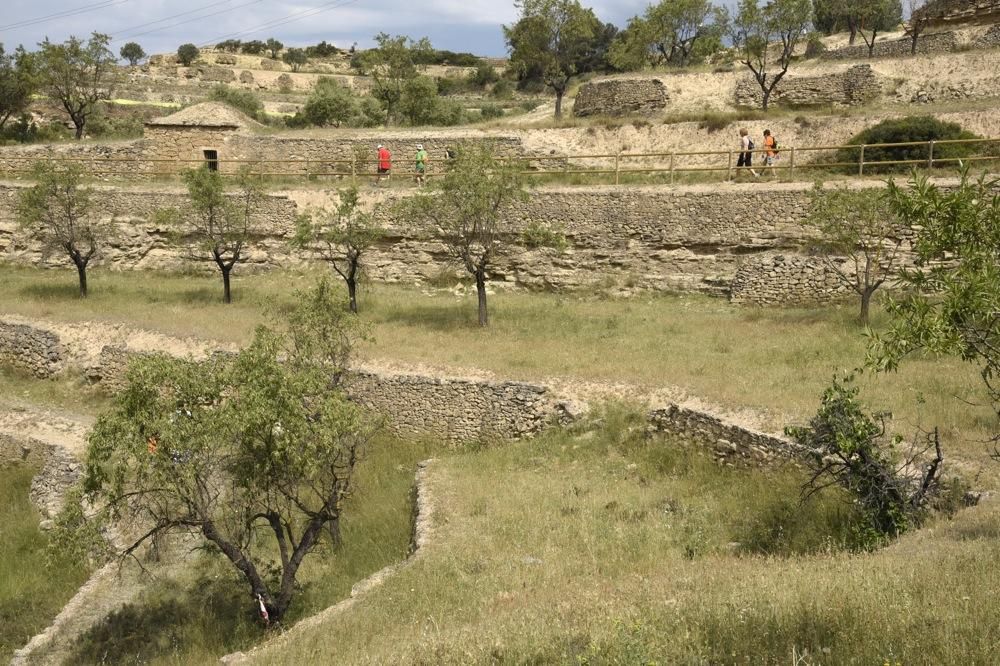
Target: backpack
774 144
750 144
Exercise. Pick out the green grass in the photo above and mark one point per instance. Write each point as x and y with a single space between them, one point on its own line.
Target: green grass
610 548
69 393
32 591
773 360
208 612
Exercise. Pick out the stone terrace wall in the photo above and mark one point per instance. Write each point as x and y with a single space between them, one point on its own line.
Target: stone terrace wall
780 279
618 97
989 39
728 441
101 159
938 42
854 86
30 349
457 409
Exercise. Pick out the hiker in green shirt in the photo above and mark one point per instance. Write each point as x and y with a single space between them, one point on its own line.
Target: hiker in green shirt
421 164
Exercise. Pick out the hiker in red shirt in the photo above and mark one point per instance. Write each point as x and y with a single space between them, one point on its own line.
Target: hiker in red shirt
384 163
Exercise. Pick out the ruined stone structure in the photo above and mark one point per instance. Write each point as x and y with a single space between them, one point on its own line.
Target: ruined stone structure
619 97
30 350
854 86
946 12
727 441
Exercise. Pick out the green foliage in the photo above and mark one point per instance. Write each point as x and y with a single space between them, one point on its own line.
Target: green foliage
329 104
260 446
25 130
132 52
32 588
418 103
950 306
254 47
78 75
814 45
394 63
57 211
272 45
904 130
502 89
295 58
230 45
18 82
845 446
241 100
541 234
187 54
490 111
322 50
757 32
553 40
484 75
670 32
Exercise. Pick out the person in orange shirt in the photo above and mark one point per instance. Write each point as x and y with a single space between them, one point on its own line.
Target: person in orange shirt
771 146
384 164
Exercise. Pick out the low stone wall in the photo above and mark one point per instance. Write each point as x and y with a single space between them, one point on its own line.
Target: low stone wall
989 39
99 159
619 97
854 86
59 470
938 42
456 409
782 279
30 349
728 441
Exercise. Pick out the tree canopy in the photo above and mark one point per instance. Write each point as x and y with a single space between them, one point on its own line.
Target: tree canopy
132 52
670 32
18 82
756 30
393 63
78 75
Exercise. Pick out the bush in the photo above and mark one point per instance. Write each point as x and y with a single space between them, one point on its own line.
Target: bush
25 130
295 58
187 53
502 89
903 130
484 75
815 46
242 100
491 111
329 104
322 50
451 86
256 47
229 46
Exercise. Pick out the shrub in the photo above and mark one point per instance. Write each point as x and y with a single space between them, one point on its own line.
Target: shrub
229 46
502 89
187 53
540 234
329 104
903 130
285 83
484 75
491 111
242 100
450 86
815 46
322 50
295 58
255 47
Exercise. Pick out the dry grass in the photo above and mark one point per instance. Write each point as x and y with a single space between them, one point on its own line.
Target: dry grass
608 549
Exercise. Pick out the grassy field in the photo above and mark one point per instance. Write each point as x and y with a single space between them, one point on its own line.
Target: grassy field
605 547
773 360
32 590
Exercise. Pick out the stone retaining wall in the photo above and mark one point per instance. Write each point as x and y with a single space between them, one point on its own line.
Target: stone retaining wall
30 349
854 86
989 39
782 279
59 470
938 42
619 97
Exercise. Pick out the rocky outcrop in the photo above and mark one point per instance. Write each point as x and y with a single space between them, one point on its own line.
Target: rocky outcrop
619 97
854 86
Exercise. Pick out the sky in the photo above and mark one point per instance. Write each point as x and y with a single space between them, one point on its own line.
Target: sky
160 26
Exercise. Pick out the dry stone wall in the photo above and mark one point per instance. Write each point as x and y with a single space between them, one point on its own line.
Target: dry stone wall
854 86
938 42
619 97
30 349
783 279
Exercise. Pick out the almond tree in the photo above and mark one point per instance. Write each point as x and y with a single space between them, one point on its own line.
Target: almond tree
78 75
468 208
860 238
253 453
757 29
221 224
58 211
340 237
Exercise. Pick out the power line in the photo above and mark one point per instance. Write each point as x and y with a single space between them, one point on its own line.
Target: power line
290 18
190 20
170 18
63 14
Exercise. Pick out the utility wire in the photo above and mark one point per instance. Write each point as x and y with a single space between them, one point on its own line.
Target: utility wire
290 18
190 20
170 18
63 14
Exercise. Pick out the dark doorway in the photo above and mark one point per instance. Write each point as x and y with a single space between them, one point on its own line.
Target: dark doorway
212 160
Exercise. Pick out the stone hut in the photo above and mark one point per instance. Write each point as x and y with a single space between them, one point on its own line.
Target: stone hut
199 134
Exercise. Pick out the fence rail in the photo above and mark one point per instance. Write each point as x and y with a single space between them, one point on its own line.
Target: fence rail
621 165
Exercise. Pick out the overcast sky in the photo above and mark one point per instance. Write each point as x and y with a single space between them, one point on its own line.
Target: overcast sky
162 25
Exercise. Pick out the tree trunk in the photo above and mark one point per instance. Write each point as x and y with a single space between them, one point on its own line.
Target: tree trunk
226 294
765 99
913 43
81 271
79 123
352 293
559 98
484 319
852 26
866 300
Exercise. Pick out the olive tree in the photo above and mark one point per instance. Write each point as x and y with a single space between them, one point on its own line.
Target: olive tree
218 222
340 236
295 58
253 453
393 63
187 54
755 31
875 16
58 211
669 32
78 75
132 52
553 38
859 240
18 82
273 46
468 206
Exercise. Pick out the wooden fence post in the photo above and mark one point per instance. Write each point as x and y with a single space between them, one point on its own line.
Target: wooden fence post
930 154
729 167
791 164
861 161
618 157
671 168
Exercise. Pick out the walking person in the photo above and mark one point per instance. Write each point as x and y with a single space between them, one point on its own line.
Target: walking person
384 164
421 159
771 154
746 152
